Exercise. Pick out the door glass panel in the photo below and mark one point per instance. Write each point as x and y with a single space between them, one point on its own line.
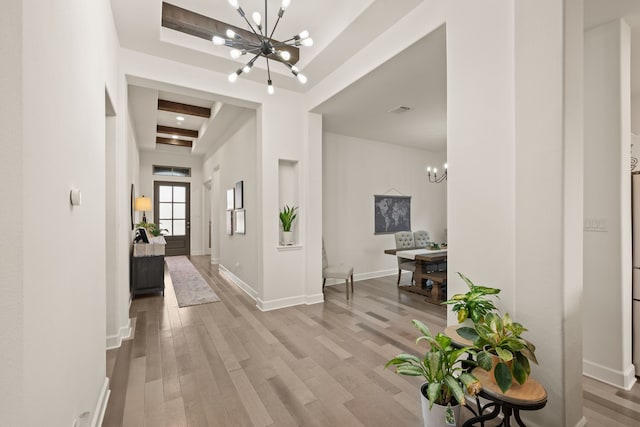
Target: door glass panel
165 210
167 225
172 210
179 210
166 193
179 195
179 227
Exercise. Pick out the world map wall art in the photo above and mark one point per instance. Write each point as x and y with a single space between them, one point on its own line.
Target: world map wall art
392 214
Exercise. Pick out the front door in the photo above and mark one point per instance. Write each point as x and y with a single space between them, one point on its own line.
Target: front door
171 204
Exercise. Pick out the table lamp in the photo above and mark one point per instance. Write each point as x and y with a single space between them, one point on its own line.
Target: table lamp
143 204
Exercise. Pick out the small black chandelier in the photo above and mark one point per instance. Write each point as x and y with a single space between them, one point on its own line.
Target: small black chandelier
435 178
264 46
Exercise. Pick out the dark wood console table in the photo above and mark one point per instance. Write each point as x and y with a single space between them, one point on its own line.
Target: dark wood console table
147 275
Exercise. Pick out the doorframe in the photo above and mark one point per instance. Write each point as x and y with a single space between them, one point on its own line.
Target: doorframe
156 208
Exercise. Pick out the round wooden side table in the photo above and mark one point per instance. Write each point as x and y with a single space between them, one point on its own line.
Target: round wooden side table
529 396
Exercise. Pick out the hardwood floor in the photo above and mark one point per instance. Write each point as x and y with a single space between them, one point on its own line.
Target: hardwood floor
229 364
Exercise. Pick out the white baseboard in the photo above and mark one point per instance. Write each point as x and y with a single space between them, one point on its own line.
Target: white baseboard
101 405
624 380
276 304
364 276
582 422
114 341
314 299
271 304
195 253
239 283
215 261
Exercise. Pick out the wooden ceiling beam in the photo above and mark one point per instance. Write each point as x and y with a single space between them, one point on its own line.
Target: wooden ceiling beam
179 108
172 141
177 131
194 24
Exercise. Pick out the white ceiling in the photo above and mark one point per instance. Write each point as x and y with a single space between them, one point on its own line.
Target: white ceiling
415 78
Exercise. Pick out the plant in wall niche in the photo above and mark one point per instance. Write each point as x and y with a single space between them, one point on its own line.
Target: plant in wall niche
287 216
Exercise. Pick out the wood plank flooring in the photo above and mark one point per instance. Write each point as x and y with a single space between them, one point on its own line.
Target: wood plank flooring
229 364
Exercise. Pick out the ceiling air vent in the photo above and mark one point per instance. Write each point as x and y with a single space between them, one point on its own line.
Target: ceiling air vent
400 109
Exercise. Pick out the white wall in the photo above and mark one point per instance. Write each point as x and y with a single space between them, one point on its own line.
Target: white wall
635 113
607 253
170 157
64 65
236 161
284 135
118 179
353 170
635 129
11 192
510 169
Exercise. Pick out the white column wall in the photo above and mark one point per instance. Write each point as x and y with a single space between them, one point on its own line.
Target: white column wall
509 173
573 198
217 217
119 179
283 136
12 389
480 147
607 253
315 207
349 184
547 204
110 226
64 60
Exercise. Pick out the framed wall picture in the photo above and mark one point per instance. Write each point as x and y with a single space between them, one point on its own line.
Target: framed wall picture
239 221
230 197
239 203
229 223
133 200
391 213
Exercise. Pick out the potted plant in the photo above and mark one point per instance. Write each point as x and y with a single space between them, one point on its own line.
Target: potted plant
287 215
501 349
152 228
446 380
474 304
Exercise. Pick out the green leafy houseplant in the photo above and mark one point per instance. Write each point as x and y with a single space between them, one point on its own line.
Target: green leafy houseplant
446 378
500 338
474 304
152 228
287 215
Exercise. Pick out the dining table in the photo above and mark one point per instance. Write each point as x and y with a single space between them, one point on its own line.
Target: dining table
428 280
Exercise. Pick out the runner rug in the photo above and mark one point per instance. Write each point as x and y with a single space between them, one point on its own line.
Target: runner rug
188 284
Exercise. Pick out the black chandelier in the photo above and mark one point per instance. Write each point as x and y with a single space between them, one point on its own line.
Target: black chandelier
436 179
264 45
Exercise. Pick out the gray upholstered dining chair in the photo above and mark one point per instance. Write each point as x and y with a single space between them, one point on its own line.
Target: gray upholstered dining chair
421 238
404 240
339 271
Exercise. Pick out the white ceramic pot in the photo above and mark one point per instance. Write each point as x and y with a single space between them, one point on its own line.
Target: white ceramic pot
438 415
287 238
468 323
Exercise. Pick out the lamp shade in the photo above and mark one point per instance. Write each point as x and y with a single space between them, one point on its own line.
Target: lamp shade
143 204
